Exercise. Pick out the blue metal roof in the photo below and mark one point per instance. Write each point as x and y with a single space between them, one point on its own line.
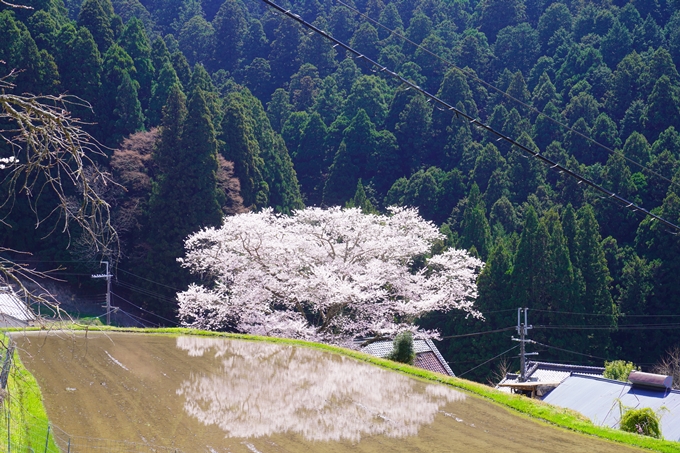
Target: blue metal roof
601 399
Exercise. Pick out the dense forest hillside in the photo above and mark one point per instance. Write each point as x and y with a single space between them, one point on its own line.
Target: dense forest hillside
209 108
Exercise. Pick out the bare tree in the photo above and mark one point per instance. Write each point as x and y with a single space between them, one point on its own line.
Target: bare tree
46 151
670 366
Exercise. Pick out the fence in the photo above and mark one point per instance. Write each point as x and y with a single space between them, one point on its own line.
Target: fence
56 440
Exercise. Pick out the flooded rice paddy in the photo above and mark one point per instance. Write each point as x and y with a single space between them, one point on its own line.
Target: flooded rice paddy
201 394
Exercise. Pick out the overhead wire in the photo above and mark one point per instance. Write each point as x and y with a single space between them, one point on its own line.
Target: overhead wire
490 360
472 121
145 310
485 332
474 77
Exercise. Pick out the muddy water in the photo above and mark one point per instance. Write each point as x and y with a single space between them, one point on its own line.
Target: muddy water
219 395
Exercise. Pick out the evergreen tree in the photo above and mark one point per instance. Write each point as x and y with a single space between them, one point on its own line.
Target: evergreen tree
136 43
662 107
597 299
185 197
359 142
167 78
80 66
96 15
128 111
240 147
475 228
230 26
310 158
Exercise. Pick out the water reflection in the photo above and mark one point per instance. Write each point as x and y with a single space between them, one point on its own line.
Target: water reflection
262 389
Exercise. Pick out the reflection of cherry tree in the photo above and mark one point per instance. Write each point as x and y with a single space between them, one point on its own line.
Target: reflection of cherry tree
323 274
266 389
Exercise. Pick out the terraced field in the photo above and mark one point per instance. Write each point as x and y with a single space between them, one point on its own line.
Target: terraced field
202 394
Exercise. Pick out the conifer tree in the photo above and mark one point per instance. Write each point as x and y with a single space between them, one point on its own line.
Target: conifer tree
136 43
475 229
309 159
167 78
185 197
596 297
230 26
96 15
350 162
240 146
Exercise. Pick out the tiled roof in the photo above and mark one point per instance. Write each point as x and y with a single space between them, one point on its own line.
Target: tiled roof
426 353
12 307
429 361
601 400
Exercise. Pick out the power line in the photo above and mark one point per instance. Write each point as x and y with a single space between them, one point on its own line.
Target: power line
613 328
474 77
477 123
146 311
148 280
505 329
567 350
493 358
620 315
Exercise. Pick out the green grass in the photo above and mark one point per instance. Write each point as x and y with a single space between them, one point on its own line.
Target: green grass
534 409
23 413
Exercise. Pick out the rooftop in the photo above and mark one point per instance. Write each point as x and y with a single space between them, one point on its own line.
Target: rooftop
428 356
604 400
13 309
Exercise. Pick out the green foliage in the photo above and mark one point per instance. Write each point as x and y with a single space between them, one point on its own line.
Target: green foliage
641 421
619 370
403 348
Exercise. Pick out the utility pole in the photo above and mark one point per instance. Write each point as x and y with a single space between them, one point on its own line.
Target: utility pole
523 330
107 276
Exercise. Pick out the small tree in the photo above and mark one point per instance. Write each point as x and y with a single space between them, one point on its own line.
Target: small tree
403 348
642 421
619 370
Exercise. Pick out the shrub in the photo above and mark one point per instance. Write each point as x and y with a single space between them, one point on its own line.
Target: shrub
641 421
619 370
403 349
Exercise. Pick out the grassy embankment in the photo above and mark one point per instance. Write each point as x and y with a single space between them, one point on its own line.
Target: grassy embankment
23 412
535 409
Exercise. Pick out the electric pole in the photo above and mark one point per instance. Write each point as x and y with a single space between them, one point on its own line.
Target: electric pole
107 276
523 330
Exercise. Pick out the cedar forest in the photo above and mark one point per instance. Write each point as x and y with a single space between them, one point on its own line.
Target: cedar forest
208 108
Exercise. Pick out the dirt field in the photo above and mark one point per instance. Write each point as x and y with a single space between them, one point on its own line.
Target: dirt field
216 395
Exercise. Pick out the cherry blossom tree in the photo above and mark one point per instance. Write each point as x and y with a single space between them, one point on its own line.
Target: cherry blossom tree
327 275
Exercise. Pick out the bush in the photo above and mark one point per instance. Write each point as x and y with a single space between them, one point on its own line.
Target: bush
619 370
641 421
403 349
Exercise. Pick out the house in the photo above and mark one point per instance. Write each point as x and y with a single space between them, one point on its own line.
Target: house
542 377
604 401
428 356
13 311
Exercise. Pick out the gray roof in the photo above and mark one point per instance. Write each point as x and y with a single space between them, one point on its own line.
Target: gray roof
552 373
383 349
600 400
13 307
